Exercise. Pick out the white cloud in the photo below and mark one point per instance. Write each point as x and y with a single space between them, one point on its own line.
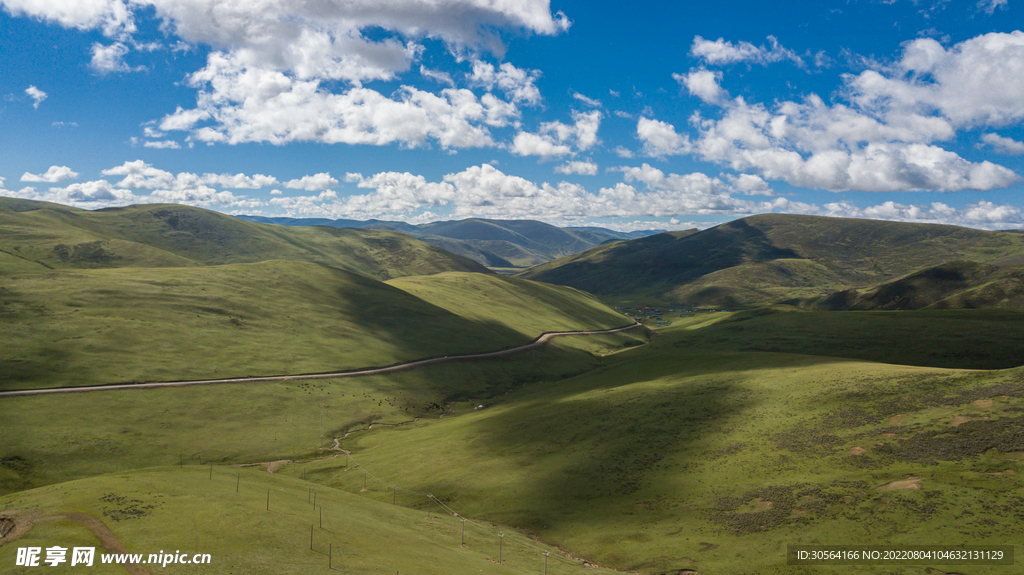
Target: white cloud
107 59
485 191
52 175
1003 145
437 76
588 101
721 52
140 175
978 82
283 54
276 193
516 83
816 146
149 132
36 94
660 138
557 139
990 6
317 39
583 168
750 184
111 16
319 181
162 144
704 84
259 105
623 152
983 214
885 140
91 195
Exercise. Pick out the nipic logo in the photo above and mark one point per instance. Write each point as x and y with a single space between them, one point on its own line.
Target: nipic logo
30 556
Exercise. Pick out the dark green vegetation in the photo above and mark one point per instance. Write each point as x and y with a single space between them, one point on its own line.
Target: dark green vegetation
39 236
169 319
654 459
954 285
493 243
85 327
772 258
708 445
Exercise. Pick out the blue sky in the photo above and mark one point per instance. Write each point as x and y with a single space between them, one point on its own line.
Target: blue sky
661 115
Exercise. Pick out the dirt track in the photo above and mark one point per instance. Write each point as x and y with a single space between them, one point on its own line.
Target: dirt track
106 537
541 340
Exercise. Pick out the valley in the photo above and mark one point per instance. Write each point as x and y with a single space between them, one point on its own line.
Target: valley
702 442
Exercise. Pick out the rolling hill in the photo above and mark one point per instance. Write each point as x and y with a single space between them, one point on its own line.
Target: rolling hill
39 235
494 243
770 258
957 285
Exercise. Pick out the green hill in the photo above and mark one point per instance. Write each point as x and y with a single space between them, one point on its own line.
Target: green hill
494 243
82 327
958 285
225 514
53 236
768 258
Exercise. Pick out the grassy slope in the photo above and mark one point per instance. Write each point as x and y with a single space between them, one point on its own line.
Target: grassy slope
81 327
184 509
528 307
961 284
174 235
668 459
651 460
49 439
966 339
770 257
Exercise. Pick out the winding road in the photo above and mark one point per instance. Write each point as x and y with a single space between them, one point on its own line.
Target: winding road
541 340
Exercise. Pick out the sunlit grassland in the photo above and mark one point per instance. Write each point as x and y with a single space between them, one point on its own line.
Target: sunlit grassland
665 460
52 438
193 511
83 327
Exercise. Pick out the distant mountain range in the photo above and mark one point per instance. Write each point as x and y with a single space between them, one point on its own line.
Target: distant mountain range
493 243
810 261
40 235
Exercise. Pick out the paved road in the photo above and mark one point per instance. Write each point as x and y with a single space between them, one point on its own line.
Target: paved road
541 340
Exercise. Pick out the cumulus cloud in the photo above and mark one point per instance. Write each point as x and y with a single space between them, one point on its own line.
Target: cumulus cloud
516 83
52 175
108 59
162 144
885 139
661 139
750 184
284 54
319 181
1003 145
558 139
982 214
978 82
704 84
36 94
721 52
139 175
258 105
485 191
583 168
113 17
